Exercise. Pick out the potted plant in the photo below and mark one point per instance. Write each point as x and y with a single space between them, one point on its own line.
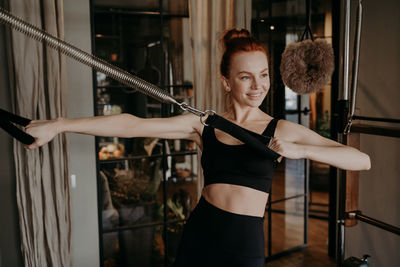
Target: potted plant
178 208
133 191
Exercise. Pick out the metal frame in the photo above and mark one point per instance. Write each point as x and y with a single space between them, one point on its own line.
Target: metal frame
346 116
365 118
165 111
333 193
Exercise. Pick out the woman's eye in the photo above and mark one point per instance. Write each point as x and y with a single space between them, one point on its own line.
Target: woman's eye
264 75
245 77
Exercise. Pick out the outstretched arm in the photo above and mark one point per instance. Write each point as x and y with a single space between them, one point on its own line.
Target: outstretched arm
121 125
296 141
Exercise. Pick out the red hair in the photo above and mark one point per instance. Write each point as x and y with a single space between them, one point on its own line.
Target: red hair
235 41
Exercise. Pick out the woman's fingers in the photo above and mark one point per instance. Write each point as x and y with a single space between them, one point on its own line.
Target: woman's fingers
274 144
33 145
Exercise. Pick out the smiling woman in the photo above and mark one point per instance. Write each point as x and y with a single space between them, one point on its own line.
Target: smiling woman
226 227
227 224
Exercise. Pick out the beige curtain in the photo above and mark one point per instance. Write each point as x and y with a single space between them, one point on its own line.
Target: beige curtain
38 84
208 21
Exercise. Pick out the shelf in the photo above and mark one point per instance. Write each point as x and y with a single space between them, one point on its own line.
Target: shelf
117 160
177 180
143 225
182 153
172 154
151 13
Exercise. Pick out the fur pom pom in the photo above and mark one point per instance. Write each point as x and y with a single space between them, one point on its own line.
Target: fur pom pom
307 66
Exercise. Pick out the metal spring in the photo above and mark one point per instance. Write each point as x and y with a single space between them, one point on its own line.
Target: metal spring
88 59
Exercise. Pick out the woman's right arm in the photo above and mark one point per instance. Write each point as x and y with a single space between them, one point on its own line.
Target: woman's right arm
121 125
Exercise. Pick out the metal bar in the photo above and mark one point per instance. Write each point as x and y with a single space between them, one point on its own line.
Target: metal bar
86 58
336 7
355 68
269 224
340 255
356 59
161 86
375 119
319 204
318 217
287 198
319 211
341 213
376 130
345 95
306 190
385 226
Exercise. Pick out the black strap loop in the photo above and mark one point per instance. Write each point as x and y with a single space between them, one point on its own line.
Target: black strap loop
5 123
256 141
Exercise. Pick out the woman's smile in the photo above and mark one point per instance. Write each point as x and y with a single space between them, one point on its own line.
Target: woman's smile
254 96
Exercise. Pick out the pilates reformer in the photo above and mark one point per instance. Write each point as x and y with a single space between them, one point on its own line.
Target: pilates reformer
257 142
349 214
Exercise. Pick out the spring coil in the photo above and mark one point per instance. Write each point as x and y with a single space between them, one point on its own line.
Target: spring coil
88 59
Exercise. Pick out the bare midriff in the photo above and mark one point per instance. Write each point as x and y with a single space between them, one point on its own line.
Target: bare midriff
236 199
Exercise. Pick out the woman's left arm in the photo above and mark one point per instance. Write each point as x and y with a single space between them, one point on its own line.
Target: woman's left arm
296 141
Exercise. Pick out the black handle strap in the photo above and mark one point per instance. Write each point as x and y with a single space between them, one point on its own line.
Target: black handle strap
256 141
5 123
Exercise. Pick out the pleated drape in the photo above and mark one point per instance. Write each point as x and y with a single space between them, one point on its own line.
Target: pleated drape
208 21
38 86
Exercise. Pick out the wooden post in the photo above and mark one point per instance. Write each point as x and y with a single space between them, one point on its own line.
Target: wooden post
352 177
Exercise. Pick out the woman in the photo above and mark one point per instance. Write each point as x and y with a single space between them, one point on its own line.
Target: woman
226 227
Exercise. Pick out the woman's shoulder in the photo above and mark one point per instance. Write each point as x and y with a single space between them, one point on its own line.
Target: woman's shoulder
290 131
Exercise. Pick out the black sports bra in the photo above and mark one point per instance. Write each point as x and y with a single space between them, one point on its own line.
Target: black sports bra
236 164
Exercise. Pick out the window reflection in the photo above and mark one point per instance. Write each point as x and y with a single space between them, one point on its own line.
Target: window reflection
290 99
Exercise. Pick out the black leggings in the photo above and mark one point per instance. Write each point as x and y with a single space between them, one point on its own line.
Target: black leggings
214 237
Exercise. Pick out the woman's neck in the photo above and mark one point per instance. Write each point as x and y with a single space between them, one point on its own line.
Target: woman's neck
241 115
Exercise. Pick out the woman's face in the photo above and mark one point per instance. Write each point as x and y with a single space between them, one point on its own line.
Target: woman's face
248 80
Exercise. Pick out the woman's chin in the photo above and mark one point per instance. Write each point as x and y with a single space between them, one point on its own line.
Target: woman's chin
255 102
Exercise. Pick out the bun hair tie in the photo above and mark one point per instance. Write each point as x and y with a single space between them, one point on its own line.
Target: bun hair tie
307 66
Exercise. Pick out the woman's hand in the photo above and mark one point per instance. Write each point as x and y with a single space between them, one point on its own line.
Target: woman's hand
43 131
287 149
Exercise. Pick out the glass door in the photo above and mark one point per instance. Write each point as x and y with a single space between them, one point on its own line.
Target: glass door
147 187
276 24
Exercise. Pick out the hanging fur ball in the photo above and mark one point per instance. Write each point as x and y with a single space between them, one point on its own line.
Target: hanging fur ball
307 66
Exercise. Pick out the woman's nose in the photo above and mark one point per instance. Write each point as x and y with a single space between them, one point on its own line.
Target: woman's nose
256 84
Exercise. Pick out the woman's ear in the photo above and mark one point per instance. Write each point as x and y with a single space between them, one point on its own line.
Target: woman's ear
225 84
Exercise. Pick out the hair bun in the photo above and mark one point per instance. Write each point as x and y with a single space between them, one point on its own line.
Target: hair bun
233 34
